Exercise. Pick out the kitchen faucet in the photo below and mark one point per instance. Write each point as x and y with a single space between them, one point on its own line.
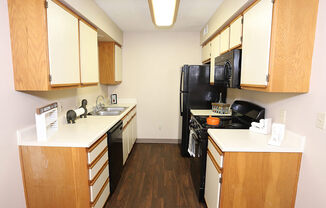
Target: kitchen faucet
99 105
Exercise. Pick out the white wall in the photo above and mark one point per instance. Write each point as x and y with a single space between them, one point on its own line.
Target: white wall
151 73
17 111
301 116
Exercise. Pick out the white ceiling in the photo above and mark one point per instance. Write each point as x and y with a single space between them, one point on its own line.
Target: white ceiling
134 15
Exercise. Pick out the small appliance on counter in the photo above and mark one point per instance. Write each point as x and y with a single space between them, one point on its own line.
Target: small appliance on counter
243 114
263 127
46 119
72 115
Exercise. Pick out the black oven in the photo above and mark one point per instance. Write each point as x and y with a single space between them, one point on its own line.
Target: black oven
198 150
227 69
243 113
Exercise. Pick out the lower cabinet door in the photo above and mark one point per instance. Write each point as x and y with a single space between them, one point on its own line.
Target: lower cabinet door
134 132
130 128
212 185
125 144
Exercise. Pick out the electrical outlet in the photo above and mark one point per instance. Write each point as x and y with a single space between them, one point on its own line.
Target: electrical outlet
320 121
59 107
283 116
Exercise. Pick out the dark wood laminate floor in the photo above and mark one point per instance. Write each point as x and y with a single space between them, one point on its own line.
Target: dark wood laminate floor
155 176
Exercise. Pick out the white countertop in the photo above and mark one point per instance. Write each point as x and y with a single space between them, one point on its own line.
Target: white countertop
238 140
206 112
83 133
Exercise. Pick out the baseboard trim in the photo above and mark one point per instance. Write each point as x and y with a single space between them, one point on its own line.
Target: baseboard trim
159 141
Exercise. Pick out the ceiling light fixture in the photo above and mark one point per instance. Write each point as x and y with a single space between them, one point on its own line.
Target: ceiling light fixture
164 12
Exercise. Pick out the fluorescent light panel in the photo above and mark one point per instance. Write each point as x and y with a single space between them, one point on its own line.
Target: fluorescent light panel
164 12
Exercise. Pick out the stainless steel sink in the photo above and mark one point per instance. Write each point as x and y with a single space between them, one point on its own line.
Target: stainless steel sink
108 111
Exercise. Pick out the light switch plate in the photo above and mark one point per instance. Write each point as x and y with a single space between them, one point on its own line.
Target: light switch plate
320 121
283 116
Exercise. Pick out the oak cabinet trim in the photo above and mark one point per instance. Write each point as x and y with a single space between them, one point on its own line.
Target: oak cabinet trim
253 86
218 168
89 84
93 146
65 85
91 183
100 192
215 146
98 157
206 61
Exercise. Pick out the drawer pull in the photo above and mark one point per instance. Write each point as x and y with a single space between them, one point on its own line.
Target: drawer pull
99 148
100 192
98 158
91 148
218 168
91 183
215 146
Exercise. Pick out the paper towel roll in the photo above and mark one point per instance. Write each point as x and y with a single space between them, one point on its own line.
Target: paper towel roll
79 111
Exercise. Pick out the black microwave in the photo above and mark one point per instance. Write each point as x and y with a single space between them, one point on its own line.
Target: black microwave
227 69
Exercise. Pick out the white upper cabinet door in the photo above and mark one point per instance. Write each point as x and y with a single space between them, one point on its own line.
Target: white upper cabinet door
215 52
63 45
225 40
206 52
118 63
236 33
89 71
257 26
212 185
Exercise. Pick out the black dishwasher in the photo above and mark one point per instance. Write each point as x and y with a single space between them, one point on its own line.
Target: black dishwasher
115 155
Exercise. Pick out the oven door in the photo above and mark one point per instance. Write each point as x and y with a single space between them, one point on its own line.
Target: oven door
198 164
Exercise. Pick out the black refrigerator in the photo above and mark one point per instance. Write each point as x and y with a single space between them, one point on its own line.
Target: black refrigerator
196 93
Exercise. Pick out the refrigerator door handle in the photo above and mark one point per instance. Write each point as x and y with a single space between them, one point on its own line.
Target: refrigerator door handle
181 79
181 104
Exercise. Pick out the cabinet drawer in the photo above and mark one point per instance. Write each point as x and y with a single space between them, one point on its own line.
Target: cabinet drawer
103 197
126 118
96 187
133 112
97 148
216 152
98 165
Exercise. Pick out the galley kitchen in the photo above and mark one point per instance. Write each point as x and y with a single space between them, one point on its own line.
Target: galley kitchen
163 103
